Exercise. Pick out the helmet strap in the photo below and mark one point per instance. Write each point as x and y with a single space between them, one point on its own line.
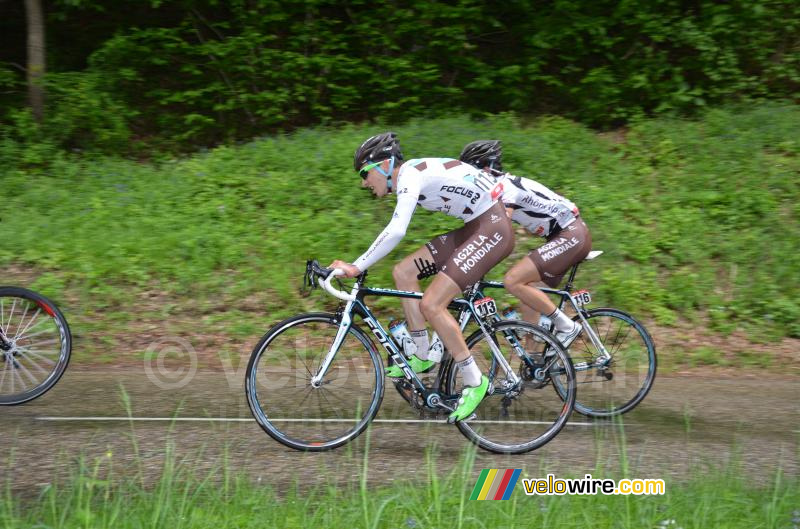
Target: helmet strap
388 174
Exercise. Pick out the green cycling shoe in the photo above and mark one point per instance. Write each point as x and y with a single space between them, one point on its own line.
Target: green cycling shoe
417 365
471 396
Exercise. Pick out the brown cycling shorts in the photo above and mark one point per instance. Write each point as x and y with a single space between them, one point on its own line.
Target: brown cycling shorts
562 250
465 255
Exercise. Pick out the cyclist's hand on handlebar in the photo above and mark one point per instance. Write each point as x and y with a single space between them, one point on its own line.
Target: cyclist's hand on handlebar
348 269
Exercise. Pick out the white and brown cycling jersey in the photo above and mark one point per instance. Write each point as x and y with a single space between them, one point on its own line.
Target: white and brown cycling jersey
440 184
535 207
545 213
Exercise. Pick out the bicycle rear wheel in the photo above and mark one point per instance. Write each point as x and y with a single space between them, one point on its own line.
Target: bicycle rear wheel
35 345
289 408
518 417
622 383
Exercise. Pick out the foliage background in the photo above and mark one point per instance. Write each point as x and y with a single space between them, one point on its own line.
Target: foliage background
186 73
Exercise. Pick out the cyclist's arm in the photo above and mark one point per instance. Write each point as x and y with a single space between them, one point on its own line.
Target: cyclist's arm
393 233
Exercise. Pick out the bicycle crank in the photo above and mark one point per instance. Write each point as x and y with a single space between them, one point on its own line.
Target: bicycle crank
535 372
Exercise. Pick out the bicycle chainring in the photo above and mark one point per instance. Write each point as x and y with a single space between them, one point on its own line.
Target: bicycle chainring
533 374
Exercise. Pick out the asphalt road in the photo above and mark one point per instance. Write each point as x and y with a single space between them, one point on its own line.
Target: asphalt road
684 424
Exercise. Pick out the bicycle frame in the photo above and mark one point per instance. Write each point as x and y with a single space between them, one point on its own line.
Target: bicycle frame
566 296
357 306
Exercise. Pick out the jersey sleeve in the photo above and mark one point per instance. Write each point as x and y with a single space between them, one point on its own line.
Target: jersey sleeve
407 195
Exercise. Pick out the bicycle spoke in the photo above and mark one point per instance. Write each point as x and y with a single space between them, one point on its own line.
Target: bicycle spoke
33 380
51 330
309 391
33 318
33 364
620 343
334 395
36 354
22 320
17 376
53 341
7 326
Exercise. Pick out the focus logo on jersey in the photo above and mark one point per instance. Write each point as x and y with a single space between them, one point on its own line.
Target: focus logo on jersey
466 193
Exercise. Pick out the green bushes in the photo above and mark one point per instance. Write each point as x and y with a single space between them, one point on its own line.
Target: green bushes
696 217
187 74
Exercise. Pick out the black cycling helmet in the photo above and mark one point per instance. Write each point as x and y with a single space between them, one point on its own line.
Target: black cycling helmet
483 154
376 149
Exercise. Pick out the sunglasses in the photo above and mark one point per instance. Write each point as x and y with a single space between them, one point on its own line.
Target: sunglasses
364 172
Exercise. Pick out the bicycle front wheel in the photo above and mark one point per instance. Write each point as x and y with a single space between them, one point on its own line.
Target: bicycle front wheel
35 345
618 385
521 414
282 398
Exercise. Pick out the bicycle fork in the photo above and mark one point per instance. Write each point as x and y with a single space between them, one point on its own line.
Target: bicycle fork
344 327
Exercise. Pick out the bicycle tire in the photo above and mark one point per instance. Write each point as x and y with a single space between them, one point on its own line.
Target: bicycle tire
537 410
23 355
287 420
631 379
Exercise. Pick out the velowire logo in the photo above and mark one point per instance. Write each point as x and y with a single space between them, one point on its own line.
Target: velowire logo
495 484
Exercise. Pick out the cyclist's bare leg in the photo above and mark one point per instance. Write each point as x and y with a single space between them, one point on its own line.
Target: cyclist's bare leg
406 277
530 314
519 281
434 307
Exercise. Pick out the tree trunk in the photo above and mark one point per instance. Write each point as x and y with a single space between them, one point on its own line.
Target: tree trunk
36 53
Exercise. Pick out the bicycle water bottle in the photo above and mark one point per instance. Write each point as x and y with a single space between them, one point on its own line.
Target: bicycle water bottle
546 323
436 350
510 313
399 331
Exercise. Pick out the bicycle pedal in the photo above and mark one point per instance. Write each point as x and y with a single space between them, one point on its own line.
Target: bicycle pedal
473 416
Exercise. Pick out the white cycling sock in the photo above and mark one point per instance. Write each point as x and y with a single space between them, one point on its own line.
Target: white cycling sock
470 372
421 341
408 347
561 321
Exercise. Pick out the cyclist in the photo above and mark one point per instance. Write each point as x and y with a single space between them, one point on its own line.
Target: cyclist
546 214
463 255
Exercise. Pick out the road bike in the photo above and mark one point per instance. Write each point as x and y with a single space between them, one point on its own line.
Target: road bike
35 345
614 357
315 381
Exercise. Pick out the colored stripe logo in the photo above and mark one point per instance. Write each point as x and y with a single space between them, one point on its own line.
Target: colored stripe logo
495 484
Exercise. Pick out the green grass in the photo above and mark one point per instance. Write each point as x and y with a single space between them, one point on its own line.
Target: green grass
695 217
99 495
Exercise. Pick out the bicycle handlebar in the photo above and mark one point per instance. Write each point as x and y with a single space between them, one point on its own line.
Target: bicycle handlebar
333 291
315 272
